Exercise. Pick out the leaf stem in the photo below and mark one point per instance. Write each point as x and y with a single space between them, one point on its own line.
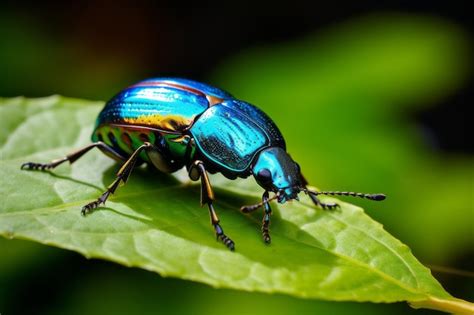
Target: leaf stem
453 305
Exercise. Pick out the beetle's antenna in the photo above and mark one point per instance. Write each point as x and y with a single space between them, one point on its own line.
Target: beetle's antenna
251 208
375 197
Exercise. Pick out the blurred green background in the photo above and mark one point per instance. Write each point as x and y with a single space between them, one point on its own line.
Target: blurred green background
370 97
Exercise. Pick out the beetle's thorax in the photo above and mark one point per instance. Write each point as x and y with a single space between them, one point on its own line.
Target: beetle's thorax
275 171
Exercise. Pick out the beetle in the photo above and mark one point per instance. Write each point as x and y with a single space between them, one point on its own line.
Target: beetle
173 123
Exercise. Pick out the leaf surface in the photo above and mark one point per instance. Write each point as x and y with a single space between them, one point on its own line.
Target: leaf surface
155 222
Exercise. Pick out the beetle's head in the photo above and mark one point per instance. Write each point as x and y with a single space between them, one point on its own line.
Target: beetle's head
275 171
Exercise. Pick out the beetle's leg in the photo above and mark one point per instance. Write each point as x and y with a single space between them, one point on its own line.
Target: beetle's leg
266 218
122 176
207 197
72 157
251 208
321 204
315 199
265 203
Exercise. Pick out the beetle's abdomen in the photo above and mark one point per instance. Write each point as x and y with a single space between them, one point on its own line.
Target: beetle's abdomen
125 139
164 104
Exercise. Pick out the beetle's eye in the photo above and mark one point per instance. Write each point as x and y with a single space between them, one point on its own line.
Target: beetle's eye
264 175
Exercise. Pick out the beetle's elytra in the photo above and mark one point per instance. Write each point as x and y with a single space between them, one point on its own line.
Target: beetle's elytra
173 123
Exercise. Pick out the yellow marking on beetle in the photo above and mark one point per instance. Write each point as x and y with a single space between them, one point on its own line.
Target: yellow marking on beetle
169 122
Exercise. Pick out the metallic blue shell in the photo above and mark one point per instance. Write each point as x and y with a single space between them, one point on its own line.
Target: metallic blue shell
228 133
260 118
228 137
204 88
163 104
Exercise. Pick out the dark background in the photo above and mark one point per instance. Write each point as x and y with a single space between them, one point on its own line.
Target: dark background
119 42
91 49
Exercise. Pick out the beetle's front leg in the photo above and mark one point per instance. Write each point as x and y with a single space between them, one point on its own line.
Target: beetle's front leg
315 199
325 206
266 218
197 171
266 214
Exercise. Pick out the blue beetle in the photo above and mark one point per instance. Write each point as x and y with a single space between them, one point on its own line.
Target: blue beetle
173 123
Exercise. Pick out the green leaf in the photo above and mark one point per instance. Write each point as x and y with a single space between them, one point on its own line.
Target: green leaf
358 87
155 222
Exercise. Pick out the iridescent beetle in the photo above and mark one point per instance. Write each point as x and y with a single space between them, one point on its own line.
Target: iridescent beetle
172 123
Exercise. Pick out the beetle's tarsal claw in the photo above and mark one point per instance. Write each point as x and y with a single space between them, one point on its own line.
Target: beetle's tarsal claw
329 206
88 208
267 239
226 240
84 211
94 204
36 166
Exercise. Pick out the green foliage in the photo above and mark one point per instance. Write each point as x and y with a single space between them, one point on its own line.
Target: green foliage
155 222
347 99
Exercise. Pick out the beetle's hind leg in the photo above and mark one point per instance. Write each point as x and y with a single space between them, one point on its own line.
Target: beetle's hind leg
72 157
196 171
122 176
